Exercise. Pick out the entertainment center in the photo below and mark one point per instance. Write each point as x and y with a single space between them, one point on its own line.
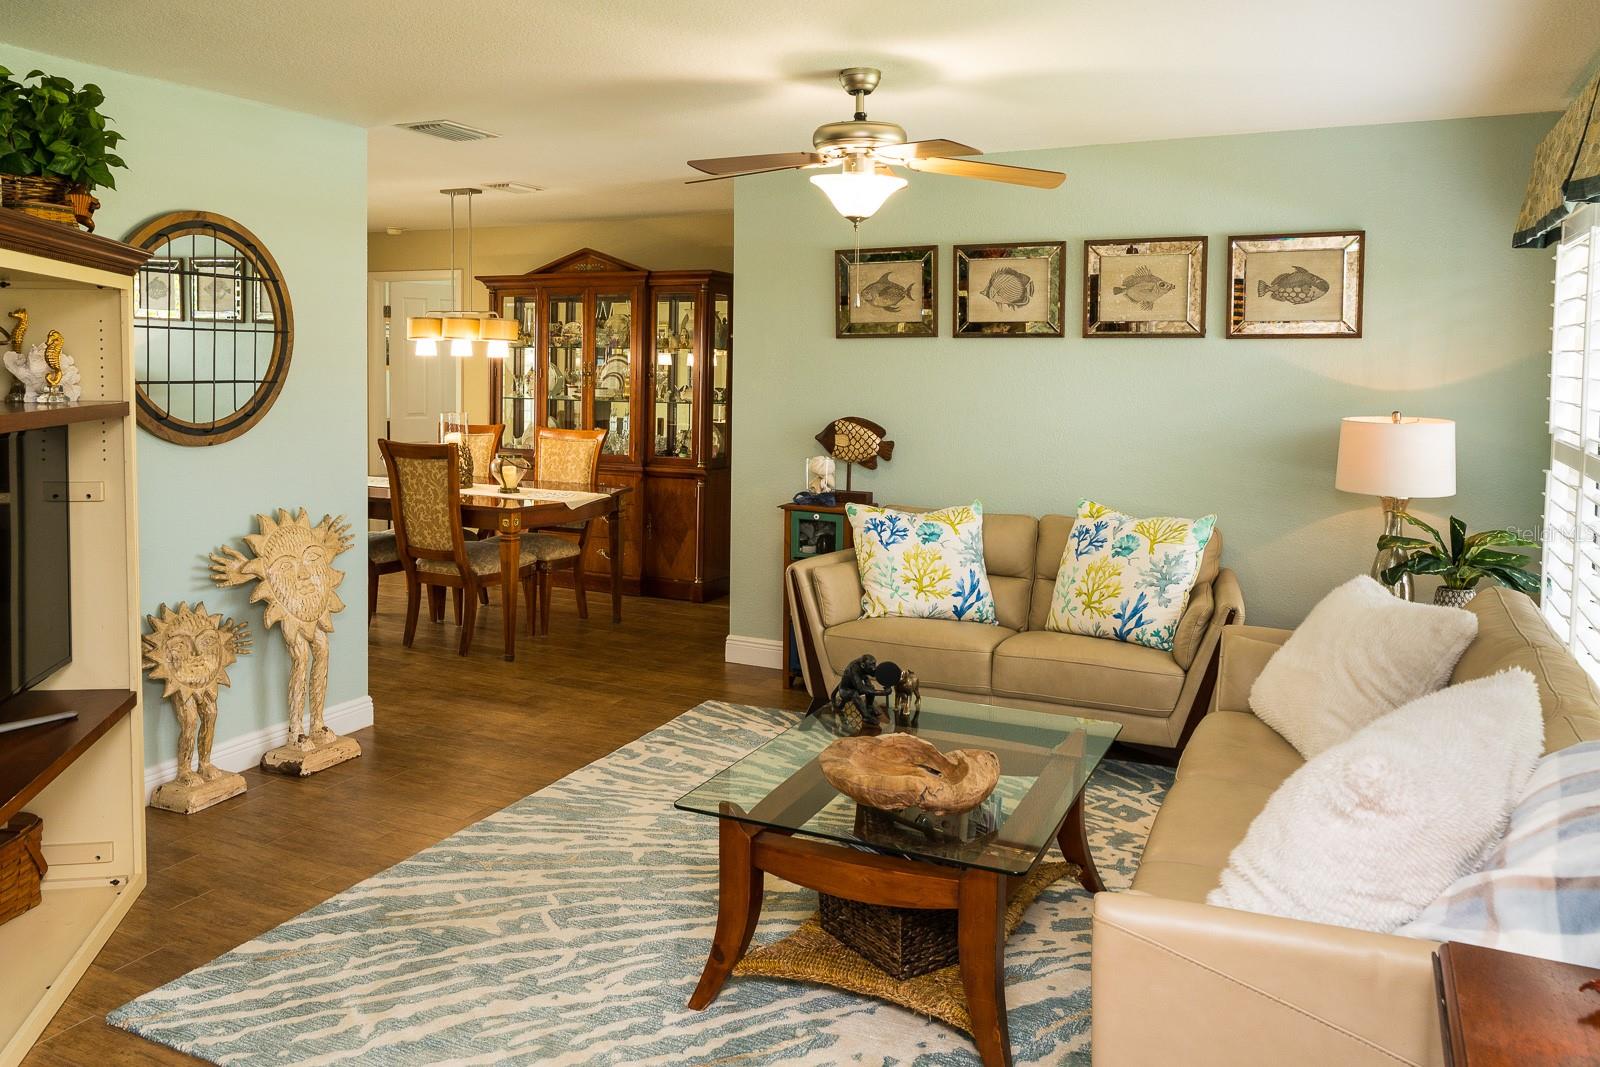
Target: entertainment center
73 639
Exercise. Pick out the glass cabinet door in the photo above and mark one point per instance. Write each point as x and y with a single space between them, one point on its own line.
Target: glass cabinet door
721 357
613 370
674 330
519 375
563 387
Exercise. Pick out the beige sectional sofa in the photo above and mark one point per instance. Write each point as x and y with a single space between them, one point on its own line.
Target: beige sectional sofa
1178 981
1018 663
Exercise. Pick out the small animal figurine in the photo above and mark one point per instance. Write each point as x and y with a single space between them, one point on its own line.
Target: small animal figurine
907 699
854 697
47 374
855 440
190 650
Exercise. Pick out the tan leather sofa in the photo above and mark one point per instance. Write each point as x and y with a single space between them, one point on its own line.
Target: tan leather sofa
1176 981
1018 663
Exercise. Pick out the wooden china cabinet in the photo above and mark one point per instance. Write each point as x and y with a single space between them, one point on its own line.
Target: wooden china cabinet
648 355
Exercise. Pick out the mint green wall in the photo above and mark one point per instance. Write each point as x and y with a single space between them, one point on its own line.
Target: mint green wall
1457 326
299 184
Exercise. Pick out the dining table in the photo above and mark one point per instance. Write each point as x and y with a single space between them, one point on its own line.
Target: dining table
536 504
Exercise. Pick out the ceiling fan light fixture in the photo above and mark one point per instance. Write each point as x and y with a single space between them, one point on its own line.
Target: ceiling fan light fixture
857 194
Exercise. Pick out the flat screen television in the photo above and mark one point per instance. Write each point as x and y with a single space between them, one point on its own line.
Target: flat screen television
35 560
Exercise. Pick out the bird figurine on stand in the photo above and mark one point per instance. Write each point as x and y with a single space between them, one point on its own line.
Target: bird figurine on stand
853 440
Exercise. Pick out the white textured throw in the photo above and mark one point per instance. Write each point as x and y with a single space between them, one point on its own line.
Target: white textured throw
1367 834
1361 653
1538 893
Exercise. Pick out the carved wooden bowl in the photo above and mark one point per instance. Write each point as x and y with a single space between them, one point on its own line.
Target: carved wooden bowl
899 771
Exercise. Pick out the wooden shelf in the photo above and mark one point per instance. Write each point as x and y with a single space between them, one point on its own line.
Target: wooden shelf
14 417
32 758
68 244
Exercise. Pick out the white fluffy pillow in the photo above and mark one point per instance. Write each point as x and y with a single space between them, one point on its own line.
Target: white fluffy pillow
1361 653
1367 834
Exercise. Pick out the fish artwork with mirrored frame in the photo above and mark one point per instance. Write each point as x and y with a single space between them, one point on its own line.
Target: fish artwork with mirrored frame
216 288
1010 290
158 289
1144 287
886 292
1304 285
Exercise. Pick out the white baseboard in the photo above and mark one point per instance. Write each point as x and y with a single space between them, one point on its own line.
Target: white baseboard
754 651
243 753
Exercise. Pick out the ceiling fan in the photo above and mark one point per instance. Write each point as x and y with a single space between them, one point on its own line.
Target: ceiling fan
865 151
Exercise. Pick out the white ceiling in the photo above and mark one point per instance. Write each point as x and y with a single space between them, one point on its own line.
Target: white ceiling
601 102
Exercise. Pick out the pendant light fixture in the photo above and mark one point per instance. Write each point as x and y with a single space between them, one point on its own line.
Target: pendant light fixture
467 331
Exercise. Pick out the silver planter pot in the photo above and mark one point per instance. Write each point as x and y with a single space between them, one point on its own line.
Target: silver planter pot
1446 597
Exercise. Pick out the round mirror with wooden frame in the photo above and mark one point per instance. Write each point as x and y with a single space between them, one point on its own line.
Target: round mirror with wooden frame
213 328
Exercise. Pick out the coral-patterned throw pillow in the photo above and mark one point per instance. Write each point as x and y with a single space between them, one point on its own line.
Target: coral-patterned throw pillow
922 565
1125 578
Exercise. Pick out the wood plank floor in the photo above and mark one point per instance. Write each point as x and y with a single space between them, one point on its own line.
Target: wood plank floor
456 740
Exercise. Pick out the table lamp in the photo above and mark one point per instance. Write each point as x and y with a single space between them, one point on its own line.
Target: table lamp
1395 458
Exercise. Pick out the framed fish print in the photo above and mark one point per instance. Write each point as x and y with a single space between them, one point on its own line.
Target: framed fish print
1010 290
158 289
217 290
886 292
1296 284
1144 287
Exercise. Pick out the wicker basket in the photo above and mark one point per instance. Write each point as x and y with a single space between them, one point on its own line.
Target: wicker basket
22 865
902 942
45 198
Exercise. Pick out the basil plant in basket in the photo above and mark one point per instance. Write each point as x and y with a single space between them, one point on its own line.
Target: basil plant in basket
1462 563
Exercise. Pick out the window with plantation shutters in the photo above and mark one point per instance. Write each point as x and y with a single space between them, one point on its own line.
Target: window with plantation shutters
1571 558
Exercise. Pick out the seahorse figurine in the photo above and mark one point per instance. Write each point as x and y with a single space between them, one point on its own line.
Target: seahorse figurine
52 356
21 331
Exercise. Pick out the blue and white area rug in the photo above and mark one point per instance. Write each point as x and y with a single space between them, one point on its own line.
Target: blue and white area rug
570 928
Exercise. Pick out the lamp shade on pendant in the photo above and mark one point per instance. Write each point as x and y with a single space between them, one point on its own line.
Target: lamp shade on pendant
424 328
1397 456
498 329
461 329
858 195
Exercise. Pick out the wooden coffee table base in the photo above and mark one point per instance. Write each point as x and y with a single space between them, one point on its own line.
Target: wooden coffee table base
748 853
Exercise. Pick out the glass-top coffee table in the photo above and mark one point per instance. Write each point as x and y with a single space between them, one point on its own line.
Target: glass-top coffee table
778 814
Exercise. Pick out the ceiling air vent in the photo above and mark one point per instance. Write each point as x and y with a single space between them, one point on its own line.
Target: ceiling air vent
446 130
515 188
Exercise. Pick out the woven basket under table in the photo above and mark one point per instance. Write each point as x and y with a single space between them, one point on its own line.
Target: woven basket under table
22 865
901 942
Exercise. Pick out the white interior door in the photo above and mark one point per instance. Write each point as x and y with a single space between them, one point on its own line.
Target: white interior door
406 393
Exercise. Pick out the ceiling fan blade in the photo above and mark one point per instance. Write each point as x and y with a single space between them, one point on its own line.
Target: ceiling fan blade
744 173
728 166
925 149
993 172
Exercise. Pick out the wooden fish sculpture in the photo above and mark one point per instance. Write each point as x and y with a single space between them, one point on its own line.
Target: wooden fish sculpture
856 440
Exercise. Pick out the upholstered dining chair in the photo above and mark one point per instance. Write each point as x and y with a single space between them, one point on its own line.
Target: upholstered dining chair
483 441
571 456
383 557
425 489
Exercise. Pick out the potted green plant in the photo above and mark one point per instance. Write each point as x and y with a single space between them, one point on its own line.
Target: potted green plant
1462 563
55 147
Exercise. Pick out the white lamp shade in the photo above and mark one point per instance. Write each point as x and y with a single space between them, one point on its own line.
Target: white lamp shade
858 195
427 347
1405 458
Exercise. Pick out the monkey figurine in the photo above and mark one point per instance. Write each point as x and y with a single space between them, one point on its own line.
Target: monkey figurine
907 699
857 692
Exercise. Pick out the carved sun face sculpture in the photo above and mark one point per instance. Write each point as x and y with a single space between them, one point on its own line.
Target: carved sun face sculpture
293 568
191 651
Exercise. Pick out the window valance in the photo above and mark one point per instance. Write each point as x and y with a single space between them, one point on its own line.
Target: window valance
1566 171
